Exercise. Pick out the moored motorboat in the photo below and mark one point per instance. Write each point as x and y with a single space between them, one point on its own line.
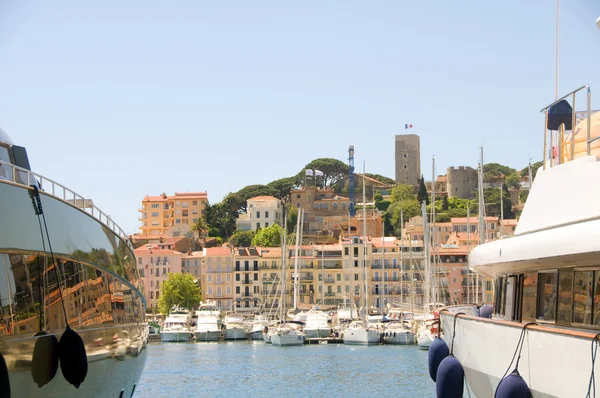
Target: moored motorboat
176 329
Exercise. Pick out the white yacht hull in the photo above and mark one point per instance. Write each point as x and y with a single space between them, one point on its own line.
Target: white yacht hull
403 337
175 337
281 339
553 363
317 333
362 336
236 333
209 335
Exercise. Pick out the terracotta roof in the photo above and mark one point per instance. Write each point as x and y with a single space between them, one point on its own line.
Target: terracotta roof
155 199
509 223
153 249
191 194
389 241
169 241
474 220
270 252
452 250
443 224
264 197
217 251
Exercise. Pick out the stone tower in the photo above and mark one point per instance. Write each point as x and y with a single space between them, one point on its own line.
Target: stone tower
462 182
408 159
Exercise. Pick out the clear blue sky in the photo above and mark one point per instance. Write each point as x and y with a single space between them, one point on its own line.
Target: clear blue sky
119 99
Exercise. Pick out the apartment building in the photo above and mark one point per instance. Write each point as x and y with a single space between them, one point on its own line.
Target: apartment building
217 276
154 264
247 296
262 211
161 213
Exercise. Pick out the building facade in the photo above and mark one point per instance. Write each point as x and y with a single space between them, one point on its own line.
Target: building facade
162 212
408 159
262 211
154 265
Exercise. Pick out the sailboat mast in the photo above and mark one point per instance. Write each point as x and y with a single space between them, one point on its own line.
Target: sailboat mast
469 277
283 265
295 274
383 267
434 234
481 216
426 248
401 257
365 282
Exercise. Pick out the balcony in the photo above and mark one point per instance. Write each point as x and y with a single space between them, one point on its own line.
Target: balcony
247 282
329 280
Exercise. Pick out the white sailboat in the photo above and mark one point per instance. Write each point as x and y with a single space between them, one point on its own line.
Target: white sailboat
424 335
259 323
361 332
289 333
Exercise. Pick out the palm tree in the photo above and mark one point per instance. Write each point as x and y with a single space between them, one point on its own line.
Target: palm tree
200 227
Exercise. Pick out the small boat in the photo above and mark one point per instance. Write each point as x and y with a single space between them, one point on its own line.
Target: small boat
318 324
398 333
287 335
208 326
361 333
258 326
176 327
235 327
426 334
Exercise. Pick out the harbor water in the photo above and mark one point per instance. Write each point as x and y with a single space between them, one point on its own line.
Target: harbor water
249 368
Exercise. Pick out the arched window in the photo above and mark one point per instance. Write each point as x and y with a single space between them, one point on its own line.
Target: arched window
335 206
395 276
344 205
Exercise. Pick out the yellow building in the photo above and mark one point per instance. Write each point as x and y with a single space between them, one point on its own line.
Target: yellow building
160 213
216 276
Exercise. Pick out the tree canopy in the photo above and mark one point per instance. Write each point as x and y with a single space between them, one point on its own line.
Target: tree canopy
179 289
282 187
534 168
381 179
268 237
251 191
241 239
333 171
402 192
494 172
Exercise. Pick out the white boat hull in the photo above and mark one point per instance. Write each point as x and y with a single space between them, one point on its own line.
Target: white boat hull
424 339
267 338
210 335
280 339
256 335
175 337
236 334
362 336
553 364
317 333
403 337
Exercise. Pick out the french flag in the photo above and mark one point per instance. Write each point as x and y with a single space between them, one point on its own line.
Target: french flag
407 126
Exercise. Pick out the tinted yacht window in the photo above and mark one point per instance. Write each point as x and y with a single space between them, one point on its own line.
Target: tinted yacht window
582 297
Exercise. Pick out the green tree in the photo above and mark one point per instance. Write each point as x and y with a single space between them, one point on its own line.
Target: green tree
403 192
491 198
268 237
221 217
534 168
495 172
333 171
251 191
408 207
445 203
282 187
378 197
241 239
179 289
381 179
422 195
512 180
292 217
200 227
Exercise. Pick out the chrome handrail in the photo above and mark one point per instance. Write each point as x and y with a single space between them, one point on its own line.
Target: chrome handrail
589 125
26 178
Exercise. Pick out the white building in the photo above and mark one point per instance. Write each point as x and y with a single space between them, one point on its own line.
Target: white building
262 212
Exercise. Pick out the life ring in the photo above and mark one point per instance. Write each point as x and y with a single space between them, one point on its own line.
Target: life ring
433 330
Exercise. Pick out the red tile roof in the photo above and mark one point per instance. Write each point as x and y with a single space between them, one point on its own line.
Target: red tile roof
217 251
264 197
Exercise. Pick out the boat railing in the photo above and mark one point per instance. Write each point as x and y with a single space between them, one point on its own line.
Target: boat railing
26 178
560 138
